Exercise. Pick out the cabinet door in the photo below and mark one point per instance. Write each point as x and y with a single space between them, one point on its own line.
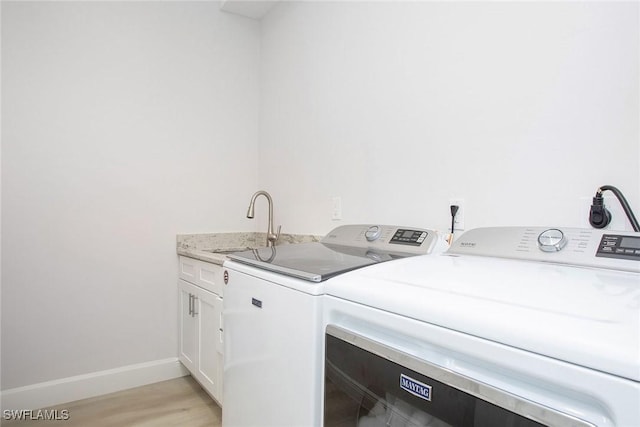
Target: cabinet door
187 331
220 349
209 307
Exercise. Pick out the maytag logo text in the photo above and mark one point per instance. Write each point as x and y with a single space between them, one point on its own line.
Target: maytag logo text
415 387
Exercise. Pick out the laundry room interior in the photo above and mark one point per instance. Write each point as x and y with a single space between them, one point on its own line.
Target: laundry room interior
128 124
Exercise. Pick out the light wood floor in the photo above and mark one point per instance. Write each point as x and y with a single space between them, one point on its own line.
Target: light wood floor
178 402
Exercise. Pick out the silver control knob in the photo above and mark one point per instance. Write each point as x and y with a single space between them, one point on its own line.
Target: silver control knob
373 233
552 240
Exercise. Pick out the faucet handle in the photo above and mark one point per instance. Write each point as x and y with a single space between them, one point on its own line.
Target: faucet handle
272 238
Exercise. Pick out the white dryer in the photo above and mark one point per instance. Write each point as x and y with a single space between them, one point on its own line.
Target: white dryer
272 319
511 327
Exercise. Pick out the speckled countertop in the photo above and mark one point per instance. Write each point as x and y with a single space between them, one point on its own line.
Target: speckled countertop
213 247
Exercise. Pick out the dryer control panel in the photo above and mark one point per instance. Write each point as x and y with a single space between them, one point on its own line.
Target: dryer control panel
619 246
571 246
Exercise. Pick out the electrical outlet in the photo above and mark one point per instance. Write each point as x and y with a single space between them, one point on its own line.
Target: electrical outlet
336 208
458 223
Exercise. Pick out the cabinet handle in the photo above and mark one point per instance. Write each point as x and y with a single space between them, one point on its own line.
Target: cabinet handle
191 305
195 313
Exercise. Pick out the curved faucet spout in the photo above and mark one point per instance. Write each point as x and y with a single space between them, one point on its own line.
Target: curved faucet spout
271 236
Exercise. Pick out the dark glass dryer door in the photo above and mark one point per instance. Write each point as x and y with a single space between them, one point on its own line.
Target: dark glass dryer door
365 388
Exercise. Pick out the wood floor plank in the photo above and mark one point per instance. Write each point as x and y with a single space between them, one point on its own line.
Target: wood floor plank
178 402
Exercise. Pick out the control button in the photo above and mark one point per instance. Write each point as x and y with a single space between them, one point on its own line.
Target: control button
629 251
607 249
420 240
552 240
619 251
373 233
637 251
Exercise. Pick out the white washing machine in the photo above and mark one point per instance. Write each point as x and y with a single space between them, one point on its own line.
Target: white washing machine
511 327
272 319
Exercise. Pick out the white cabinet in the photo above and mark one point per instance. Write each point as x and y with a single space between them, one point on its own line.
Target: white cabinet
200 344
187 327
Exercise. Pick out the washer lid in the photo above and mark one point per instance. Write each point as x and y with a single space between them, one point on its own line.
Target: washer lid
311 261
345 248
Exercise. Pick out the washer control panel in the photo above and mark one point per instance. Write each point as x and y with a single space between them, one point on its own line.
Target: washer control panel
387 238
569 246
618 246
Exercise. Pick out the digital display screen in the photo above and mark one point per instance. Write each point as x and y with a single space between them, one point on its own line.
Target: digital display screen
630 242
408 237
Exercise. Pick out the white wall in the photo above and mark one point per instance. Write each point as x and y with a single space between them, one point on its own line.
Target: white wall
520 108
124 123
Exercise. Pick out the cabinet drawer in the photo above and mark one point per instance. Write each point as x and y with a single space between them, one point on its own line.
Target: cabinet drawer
188 269
210 277
204 274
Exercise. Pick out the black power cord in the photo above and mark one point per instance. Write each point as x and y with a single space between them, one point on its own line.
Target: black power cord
454 211
600 217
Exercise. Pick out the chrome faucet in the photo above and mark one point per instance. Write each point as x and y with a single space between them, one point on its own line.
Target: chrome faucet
271 236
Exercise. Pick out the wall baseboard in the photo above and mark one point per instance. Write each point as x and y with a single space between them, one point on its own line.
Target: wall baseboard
66 390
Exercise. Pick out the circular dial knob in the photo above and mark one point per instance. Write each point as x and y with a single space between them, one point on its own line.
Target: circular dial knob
552 240
373 233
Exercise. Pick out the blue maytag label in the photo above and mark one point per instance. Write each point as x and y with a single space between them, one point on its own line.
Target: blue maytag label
415 387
